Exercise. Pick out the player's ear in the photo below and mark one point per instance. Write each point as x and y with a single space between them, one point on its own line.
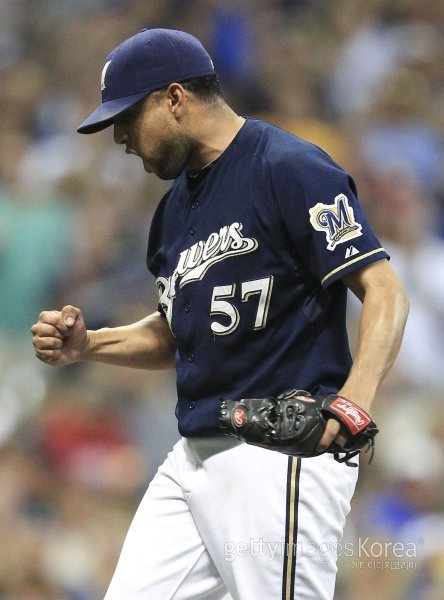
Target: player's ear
176 95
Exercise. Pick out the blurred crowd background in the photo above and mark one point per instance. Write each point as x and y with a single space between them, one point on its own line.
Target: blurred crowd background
364 79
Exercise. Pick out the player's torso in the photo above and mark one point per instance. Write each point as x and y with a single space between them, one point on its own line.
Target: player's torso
245 311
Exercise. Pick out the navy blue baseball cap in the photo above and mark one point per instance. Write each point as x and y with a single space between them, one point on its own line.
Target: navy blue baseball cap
148 61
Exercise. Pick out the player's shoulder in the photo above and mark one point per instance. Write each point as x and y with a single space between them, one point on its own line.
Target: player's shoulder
278 148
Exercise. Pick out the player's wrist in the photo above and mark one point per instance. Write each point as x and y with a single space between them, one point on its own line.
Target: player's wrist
90 344
361 399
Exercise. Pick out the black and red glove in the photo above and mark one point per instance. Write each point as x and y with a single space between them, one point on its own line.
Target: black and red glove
294 422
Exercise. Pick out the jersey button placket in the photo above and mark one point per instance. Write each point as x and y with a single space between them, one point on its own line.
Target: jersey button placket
192 403
187 307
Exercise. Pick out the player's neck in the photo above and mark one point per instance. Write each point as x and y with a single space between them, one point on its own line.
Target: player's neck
215 131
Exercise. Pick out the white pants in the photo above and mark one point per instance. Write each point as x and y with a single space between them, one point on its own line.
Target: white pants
225 520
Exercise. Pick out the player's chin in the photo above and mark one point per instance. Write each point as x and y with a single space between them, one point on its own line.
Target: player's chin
164 173
147 168
161 173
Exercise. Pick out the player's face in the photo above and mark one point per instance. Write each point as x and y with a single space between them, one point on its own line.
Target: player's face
148 131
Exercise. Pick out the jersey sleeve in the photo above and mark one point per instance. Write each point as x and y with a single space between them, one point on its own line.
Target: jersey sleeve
320 211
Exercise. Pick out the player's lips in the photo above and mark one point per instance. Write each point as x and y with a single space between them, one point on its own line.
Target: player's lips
131 151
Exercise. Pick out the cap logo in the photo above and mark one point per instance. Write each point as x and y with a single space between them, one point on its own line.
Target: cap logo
102 79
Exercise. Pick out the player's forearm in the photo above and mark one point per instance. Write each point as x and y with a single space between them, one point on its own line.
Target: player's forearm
147 344
383 318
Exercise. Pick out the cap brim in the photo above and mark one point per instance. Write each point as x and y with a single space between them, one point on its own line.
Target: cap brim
104 114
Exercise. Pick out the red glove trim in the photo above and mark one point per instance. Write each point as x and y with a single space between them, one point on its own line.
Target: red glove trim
355 417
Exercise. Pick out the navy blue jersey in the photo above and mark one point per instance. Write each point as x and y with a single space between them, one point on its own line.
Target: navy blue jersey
248 257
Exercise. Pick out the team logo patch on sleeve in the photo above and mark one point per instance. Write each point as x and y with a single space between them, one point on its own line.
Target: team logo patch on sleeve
336 220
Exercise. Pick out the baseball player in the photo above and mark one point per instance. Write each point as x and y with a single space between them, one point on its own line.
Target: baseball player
253 249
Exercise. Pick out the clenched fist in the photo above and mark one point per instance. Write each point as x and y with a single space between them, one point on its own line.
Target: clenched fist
60 337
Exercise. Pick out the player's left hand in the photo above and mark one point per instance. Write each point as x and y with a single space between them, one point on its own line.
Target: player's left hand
332 433
300 424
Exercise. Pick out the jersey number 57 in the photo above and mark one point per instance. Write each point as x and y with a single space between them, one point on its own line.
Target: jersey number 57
221 306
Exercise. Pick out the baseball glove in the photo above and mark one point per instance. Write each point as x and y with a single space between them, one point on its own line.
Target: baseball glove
293 423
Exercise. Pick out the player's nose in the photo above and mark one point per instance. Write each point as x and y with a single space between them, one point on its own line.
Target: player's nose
120 135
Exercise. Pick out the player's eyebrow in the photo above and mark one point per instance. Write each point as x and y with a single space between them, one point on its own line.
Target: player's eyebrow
130 112
126 114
